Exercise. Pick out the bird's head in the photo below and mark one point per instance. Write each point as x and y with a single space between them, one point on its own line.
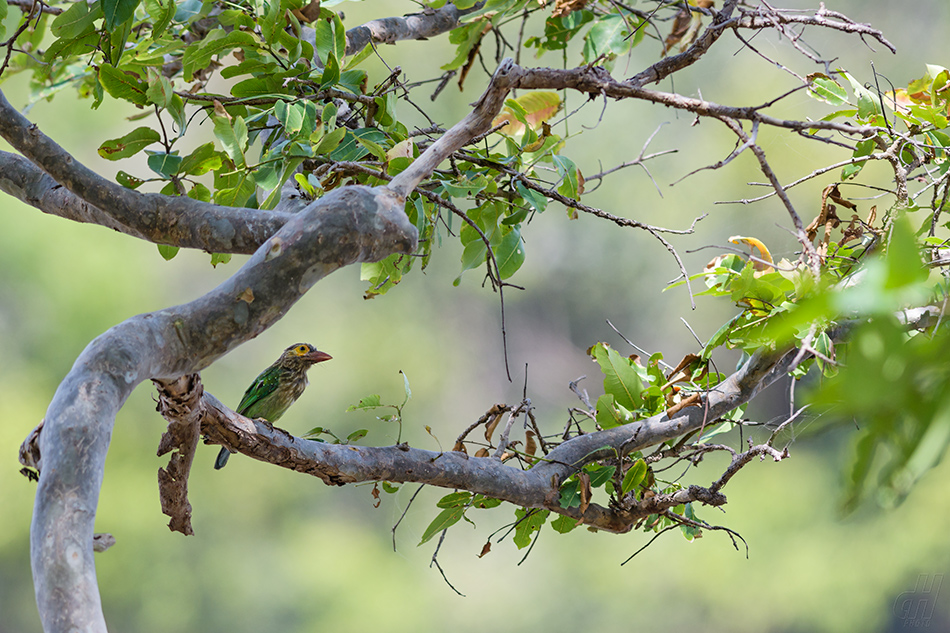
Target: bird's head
302 356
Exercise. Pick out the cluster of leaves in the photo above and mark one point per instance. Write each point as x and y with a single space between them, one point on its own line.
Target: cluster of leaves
299 108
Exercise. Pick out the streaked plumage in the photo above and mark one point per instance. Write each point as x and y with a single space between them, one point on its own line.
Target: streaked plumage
277 387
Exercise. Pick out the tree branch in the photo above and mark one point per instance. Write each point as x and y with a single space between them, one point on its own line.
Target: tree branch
349 225
176 220
537 487
415 26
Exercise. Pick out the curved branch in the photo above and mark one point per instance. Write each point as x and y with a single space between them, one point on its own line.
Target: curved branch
415 26
595 80
176 220
537 487
349 225
669 65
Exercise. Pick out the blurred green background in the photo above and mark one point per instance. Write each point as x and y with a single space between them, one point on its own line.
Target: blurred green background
275 551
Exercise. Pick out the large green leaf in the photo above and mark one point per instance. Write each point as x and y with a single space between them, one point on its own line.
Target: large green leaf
621 378
445 519
130 144
123 85
75 21
530 521
233 138
202 160
161 13
510 253
198 55
117 12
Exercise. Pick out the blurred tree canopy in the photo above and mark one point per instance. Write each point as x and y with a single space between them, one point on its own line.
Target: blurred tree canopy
274 129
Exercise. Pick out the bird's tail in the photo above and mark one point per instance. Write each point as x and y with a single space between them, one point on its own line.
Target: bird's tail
222 459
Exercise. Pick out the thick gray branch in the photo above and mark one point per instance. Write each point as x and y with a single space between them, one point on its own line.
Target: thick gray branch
415 26
176 220
536 487
352 224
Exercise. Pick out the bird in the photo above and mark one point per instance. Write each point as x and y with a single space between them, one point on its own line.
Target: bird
277 387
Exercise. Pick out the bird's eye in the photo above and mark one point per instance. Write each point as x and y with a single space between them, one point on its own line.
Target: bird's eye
302 349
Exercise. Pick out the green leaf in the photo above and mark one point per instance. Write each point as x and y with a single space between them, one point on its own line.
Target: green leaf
564 524
130 144
473 255
510 253
719 429
356 436
202 160
128 181
690 532
3 16
352 149
75 21
117 12
532 197
160 90
220 258
165 165
374 148
269 21
405 382
719 338
824 88
239 189
862 148
233 138
197 56
389 488
331 72
290 115
532 522
446 519
610 414
465 37
330 36
454 500
599 475
483 503
200 192
161 12
123 85
904 265
167 252
385 274
264 86
366 404
610 37
570 185
569 495
330 141
621 379
634 477
824 345
868 104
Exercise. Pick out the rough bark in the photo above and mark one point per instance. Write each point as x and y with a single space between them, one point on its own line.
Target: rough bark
536 487
346 226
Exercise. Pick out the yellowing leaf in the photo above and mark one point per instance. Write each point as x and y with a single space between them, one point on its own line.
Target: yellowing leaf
756 245
539 106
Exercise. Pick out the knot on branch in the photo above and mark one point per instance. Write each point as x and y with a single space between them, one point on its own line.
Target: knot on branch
178 402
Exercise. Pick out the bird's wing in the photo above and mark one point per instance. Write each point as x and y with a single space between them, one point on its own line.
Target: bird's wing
264 385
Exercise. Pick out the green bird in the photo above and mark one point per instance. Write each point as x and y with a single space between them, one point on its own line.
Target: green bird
277 387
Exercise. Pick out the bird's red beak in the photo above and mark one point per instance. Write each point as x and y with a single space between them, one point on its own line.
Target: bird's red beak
316 356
